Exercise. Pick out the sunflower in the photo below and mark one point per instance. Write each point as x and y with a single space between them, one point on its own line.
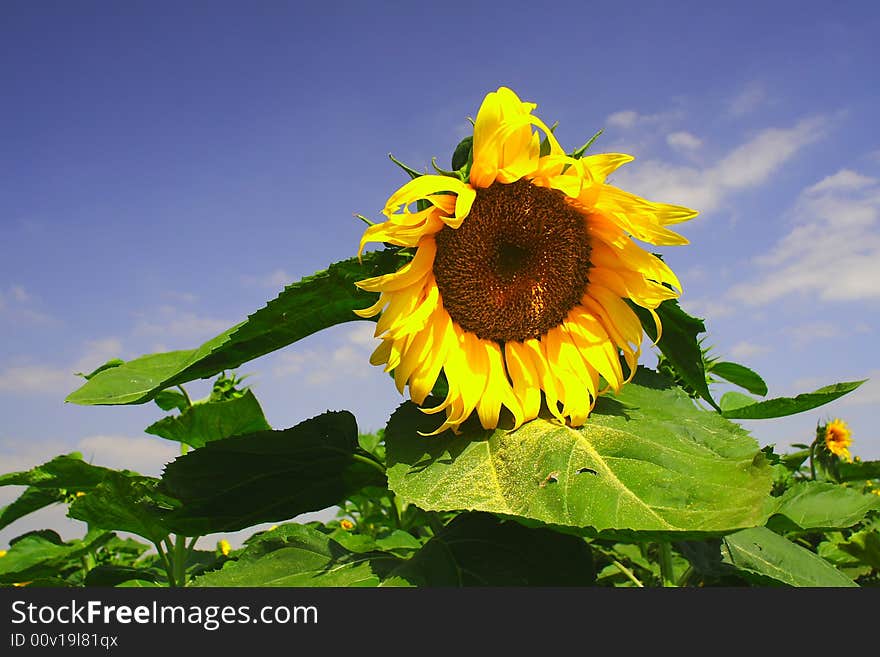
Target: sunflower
522 271
838 438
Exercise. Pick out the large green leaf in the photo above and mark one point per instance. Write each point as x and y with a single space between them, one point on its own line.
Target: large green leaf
207 421
267 476
763 553
679 344
478 549
32 499
740 375
821 506
42 554
737 409
858 470
297 555
67 472
124 503
647 460
316 302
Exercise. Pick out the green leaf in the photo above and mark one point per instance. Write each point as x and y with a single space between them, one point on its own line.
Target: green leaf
463 153
42 554
296 555
114 575
579 152
32 499
312 304
201 423
68 472
113 362
741 376
858 470
732 400
782 406
124 503
679 343
168 400
821 506
647 460
267 476
864 546
759 551
478 549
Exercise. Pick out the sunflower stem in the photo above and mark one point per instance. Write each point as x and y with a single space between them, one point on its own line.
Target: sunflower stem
667 576
629 574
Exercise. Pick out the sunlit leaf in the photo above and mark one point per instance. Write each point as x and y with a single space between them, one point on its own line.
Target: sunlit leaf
821 506
207 421
782 406
740 375
772 558
648 460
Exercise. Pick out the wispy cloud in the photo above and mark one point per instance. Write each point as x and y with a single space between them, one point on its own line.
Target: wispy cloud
321 366
275 279
748 100
41 378
683 141
169 321
22 307
833 251
628 118
750 164
746 349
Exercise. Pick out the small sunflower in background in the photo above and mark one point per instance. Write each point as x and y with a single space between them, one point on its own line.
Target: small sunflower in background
524 262
837 438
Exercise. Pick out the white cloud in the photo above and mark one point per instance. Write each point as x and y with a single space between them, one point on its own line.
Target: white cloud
746 349
748 100
683 141
806 333
168 321
749 165
322 365
843 180
144 454
19 293
37 379
50 379
275 279
20 306
630 118
833 251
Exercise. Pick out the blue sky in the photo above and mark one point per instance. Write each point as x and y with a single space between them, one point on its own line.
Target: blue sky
167 167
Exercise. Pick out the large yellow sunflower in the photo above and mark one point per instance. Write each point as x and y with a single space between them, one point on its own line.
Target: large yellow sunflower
520 276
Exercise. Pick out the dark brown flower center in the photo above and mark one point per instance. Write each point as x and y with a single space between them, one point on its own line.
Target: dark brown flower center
517 264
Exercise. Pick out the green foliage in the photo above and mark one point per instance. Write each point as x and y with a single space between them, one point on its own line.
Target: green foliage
631 468
735 407
296 555
654 490
212 420
267 476
478 549
679 344
762 554
317 302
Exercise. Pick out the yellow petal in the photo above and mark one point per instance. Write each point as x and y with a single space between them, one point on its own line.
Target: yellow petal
409 274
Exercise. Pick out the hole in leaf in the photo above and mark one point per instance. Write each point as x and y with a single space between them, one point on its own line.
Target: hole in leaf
552 478
590 470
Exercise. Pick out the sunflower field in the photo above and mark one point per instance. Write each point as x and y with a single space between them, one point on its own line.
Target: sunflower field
512 299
